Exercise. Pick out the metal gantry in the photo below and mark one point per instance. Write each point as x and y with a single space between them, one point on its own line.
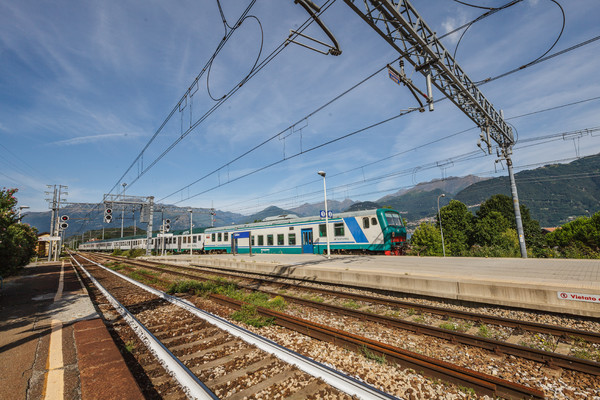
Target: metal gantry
147 214
399 24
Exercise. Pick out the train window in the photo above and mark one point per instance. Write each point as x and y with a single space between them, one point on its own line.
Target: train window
338 229
226 238
322 230
373 221
195 240
291 228
269 240
252 240
292 239
261 240
366 222
213 237
280 239
184 240
393 219
219 237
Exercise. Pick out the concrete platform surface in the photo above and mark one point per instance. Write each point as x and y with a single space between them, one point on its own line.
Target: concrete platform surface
46 341
558 285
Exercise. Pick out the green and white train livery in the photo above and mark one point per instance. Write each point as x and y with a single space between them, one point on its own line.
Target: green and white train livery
379 231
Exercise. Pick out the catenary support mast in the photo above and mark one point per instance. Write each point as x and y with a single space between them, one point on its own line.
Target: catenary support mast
398 23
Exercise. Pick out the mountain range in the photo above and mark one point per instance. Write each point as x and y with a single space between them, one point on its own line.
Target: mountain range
554 194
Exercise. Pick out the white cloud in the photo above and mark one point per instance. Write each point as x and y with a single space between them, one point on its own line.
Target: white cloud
88 139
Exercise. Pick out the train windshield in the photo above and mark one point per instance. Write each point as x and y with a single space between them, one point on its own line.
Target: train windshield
393 219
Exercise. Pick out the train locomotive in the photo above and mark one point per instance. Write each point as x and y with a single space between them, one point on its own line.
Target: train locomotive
378 231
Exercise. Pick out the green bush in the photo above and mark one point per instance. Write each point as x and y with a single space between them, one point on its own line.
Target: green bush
17 240
134 253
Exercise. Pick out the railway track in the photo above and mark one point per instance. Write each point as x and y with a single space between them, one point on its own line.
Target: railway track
551 359
480 382
212 358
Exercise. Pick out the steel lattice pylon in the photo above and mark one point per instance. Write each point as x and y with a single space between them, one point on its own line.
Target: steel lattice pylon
401 26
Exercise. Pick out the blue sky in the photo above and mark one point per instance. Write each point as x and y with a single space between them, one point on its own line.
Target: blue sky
85 85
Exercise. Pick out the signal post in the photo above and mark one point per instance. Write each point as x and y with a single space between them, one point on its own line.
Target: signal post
146 216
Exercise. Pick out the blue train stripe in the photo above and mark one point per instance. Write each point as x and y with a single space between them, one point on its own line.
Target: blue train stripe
355 230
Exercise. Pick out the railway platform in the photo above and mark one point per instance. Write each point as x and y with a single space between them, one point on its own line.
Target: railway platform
555 285
53 344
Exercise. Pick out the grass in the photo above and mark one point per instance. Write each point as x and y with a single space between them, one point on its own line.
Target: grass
484 331
469 391
130 346
351 304
453 326
368 354
248 313
115 266
145 276
313 297
541 342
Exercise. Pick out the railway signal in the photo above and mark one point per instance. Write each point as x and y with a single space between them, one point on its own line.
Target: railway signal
108 215
167 225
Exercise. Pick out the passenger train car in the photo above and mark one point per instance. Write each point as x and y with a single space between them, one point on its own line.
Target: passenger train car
379 231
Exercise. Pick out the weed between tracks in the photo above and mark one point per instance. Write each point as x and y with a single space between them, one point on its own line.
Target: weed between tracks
248 313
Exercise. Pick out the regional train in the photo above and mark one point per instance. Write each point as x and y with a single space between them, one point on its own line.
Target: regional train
378 231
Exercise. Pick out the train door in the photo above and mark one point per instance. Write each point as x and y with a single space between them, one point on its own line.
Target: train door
179 244
307 241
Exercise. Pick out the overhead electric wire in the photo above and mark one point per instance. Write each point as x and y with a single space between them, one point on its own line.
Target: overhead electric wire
220 101
268 59
539 60
541 139
260 66
176 107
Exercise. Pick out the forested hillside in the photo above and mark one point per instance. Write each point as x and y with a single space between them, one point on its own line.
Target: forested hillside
554 193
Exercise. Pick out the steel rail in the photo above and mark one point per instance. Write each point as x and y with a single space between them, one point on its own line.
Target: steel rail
191 385
551 359
331 376
535 327
528 326
482 383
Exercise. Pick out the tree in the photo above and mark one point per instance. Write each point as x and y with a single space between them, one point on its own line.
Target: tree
457 224
426 241
488 230
17 241
504 205
577 239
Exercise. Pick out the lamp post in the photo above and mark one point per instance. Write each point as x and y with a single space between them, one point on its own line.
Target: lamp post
191 226
440 218
322 173
21 208
123 209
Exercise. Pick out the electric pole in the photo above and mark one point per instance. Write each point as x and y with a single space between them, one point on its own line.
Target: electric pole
399 24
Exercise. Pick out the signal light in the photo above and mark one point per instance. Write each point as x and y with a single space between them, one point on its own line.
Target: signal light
64 218
108 215
167 225
64 225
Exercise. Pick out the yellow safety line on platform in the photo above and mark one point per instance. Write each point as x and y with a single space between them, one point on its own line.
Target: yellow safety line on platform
55 376
54 388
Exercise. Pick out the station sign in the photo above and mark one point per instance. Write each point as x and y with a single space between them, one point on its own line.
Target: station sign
393 75
49 239
241 235
591 298
329 214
